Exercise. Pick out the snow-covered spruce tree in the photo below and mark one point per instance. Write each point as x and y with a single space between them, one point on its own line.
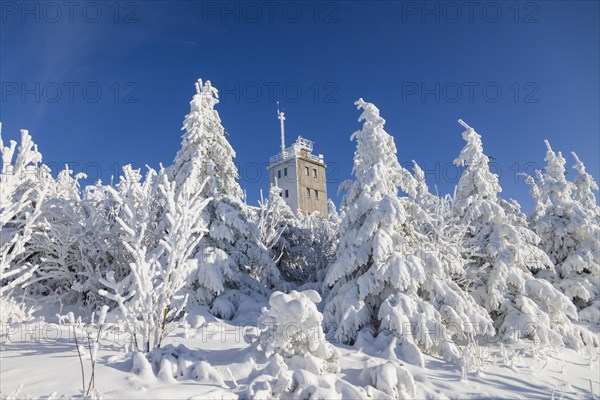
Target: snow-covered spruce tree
24 182
381 279
205 151
504 255
444 234
230 256
438 223
151 297
567 219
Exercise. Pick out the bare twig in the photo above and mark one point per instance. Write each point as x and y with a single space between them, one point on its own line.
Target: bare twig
92 383
80 360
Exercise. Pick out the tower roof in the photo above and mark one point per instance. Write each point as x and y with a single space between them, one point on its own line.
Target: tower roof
295 151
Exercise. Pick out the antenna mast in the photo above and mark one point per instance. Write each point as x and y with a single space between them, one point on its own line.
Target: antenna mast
280 116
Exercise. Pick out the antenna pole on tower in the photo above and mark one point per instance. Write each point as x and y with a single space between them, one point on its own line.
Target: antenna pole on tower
281 117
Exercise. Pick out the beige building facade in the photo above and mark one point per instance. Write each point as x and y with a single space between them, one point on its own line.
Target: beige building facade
300 174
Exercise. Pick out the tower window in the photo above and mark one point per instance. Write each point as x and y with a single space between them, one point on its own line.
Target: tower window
317 194
287 194
279 174
306 170
315 172
308 192
285 171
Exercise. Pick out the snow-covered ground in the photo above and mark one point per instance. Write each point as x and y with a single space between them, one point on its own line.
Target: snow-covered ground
39 358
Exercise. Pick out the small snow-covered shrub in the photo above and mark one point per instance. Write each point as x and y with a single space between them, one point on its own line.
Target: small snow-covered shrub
300 363
141 367
306 385
292 328
11 313
205 373
223 308
271 381
170 363
392 379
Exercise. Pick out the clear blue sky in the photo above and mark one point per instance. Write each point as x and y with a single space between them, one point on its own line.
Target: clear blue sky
103 84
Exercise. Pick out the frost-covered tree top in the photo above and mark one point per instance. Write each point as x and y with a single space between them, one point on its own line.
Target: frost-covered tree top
23 189
21 171
421 185
205 153
551 188
477 180
376 168
585 185
556 186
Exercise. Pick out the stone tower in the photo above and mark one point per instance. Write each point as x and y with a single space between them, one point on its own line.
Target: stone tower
300 175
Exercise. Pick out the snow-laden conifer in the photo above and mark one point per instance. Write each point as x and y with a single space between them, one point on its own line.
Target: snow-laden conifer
385 276
505 255
230 255
567 219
